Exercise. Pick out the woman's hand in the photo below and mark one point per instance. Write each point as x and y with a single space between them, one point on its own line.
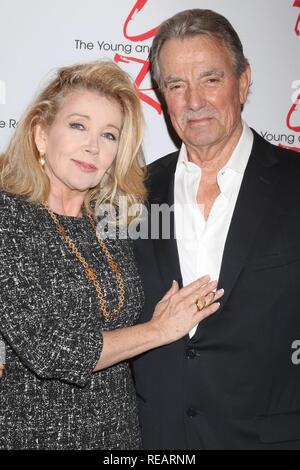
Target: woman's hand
2 367
180 310
174 316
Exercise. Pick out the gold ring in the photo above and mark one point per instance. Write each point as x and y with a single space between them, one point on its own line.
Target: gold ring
201 303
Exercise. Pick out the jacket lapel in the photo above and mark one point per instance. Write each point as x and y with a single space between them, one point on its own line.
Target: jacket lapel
165 246
258 185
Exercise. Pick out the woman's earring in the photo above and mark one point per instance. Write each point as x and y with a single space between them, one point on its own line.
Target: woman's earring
42 158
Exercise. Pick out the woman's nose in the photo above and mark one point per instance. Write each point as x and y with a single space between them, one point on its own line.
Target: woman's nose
92 145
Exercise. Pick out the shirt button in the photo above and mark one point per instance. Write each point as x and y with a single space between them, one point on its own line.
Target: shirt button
191 353
191 412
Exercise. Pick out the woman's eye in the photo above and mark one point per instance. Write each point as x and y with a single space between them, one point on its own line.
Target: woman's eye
109 136
77 125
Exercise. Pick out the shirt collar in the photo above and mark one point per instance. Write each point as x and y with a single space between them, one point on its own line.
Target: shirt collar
239 157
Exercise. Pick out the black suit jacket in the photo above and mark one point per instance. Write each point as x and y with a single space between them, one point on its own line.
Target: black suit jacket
234 384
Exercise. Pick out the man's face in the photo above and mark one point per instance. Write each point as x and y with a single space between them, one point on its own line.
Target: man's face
202 92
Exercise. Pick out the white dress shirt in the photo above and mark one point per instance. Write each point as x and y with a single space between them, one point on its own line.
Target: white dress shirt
201 242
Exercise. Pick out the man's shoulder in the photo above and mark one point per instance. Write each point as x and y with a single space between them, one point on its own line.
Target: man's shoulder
164 163
290 157
161 169
159 176
289 163
284 157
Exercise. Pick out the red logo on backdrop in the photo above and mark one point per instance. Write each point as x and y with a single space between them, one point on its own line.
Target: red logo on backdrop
296 104
145 64
293 127
297 26
293 109
139 5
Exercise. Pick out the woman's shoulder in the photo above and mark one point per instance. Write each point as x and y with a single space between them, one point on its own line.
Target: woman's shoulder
9 201
13 208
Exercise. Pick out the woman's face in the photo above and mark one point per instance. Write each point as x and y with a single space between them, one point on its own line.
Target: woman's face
82 142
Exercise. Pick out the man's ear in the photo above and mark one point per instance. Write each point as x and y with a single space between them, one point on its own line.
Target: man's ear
40 137
245 82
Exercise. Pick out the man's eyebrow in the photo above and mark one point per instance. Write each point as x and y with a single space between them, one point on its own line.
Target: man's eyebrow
208 73
172 79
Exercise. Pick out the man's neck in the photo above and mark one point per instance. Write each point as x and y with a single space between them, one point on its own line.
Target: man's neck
212 158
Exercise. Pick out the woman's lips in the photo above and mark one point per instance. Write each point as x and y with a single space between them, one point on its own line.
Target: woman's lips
86 167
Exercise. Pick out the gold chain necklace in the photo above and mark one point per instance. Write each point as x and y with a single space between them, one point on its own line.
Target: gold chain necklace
87 268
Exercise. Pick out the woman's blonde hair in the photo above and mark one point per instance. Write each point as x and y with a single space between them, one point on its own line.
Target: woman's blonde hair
20 170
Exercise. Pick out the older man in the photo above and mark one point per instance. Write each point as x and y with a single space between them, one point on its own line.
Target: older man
232 382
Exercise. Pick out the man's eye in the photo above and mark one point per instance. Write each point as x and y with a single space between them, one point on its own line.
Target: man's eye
109 136
77 125
176 86
213 80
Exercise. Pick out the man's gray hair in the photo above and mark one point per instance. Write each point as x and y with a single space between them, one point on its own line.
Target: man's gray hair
194 22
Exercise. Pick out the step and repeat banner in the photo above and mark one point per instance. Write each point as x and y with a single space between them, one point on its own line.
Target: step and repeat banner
36 37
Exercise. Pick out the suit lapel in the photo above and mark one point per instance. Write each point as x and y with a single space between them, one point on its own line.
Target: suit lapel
258 185
165 246
257 188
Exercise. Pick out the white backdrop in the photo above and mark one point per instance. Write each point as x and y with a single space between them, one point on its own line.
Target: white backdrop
38 36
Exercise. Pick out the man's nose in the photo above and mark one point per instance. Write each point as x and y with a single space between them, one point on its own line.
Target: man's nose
195 98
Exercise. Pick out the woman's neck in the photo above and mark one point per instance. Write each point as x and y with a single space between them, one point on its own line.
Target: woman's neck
69 205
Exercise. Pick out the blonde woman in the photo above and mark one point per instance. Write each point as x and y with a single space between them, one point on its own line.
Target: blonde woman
69 299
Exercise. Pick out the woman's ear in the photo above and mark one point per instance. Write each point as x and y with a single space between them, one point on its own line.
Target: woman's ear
40 137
